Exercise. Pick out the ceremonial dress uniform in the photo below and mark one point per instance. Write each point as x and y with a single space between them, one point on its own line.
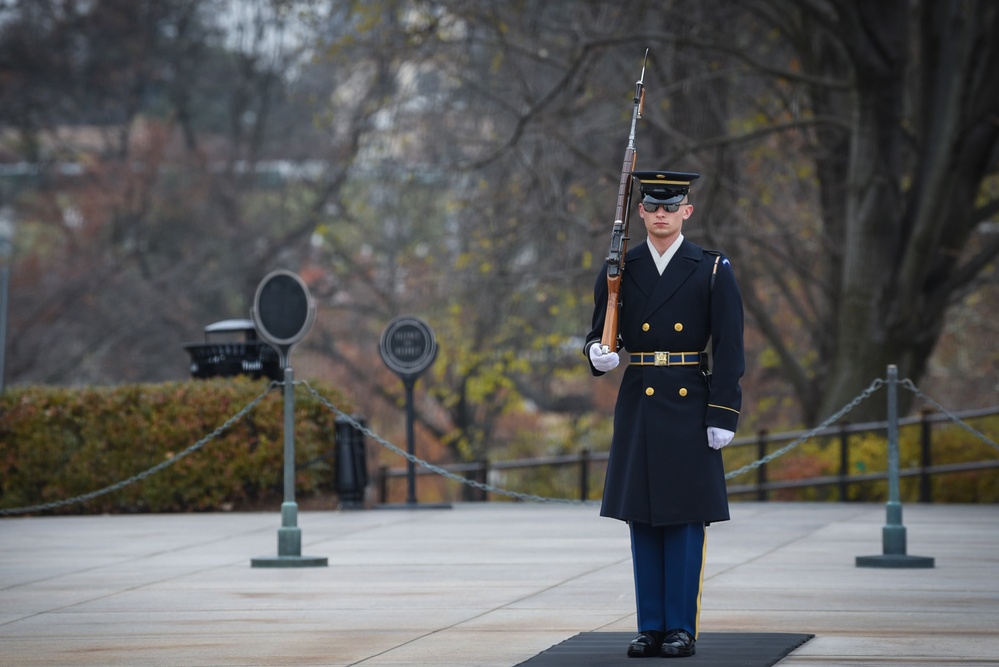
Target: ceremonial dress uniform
662 477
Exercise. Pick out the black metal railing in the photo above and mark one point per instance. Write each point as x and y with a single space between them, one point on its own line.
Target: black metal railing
590 464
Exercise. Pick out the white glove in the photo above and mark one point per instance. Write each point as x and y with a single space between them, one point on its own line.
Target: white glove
719 437
603 361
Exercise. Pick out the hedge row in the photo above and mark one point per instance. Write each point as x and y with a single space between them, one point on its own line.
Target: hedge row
58 443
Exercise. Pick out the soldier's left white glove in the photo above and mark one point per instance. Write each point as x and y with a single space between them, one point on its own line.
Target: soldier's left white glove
719 437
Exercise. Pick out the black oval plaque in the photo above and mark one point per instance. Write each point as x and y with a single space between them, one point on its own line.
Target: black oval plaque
408 346
283 310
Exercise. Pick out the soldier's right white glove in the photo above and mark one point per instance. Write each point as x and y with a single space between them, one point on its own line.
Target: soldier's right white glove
603 361
719 437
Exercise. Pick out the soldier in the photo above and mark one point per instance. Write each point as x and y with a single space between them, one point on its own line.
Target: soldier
665 474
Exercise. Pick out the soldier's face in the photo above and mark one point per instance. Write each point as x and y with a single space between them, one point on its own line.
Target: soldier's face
663 224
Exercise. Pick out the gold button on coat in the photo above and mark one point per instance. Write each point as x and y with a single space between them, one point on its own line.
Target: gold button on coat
683 391
678 326
645 327
650 391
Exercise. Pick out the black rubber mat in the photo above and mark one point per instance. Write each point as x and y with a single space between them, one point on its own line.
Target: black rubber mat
715 649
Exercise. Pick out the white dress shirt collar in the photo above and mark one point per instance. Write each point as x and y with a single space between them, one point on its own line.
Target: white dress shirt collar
663 259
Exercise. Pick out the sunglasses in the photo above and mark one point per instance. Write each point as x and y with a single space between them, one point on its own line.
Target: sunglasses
652 207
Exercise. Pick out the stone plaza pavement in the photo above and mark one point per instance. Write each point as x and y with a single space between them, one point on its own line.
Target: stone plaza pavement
489 584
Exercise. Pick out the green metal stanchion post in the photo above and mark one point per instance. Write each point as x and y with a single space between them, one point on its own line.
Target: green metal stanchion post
893 534
289 534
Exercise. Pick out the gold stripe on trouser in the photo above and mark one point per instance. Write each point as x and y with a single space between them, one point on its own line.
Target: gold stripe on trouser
700 583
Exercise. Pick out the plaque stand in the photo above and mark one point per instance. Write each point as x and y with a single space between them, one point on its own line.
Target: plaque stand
408 348
283 312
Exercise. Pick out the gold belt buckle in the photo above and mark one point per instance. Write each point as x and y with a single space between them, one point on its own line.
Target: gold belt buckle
662 359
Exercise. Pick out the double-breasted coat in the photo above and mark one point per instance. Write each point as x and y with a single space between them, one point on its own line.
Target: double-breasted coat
661 470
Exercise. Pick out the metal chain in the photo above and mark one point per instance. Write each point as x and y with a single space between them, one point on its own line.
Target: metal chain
864 395
489 488
146 473
907 383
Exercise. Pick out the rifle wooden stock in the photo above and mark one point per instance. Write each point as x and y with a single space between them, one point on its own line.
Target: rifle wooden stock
609 338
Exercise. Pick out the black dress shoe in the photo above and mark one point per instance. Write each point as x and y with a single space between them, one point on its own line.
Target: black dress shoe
678 644
646 644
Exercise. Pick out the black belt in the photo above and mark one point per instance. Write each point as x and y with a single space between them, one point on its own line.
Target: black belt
667 358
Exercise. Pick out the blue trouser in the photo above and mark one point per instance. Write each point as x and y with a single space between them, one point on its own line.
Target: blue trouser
669 569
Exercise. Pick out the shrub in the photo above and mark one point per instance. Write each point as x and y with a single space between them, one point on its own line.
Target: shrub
57 443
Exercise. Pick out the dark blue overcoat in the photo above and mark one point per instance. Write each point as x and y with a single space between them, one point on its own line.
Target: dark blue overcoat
661 470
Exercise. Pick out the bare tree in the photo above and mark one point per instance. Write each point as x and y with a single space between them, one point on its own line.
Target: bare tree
896 108
175 167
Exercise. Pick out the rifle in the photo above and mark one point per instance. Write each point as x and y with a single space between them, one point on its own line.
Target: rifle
619 232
